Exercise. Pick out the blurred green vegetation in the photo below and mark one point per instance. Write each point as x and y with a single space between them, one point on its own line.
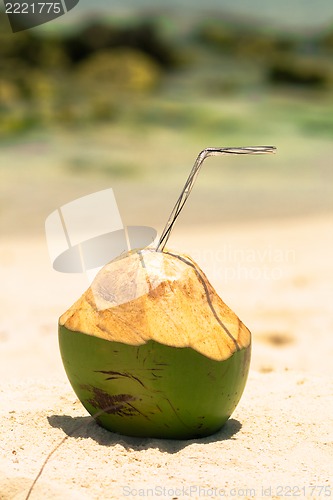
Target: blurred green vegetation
147 72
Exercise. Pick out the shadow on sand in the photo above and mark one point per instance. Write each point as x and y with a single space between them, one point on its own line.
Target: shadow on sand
86 427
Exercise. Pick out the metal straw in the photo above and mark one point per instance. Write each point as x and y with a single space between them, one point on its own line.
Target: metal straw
192 177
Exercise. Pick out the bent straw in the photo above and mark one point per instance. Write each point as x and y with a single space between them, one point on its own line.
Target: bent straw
192 177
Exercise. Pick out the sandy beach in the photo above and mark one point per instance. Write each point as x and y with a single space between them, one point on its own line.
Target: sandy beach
277 276
126 97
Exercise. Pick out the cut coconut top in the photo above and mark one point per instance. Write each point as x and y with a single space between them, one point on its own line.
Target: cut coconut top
161 296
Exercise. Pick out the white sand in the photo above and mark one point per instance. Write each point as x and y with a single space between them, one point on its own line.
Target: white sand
278 277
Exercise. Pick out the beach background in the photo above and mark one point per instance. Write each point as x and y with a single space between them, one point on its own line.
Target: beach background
127 101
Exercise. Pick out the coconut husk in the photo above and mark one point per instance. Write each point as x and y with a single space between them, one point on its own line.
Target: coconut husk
161 296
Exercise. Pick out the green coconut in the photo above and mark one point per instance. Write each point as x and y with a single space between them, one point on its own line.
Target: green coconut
152 350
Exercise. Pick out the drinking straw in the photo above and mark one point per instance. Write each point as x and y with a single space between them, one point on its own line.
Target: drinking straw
205 153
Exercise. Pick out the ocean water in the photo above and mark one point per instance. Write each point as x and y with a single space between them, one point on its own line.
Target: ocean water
284 14
296 16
